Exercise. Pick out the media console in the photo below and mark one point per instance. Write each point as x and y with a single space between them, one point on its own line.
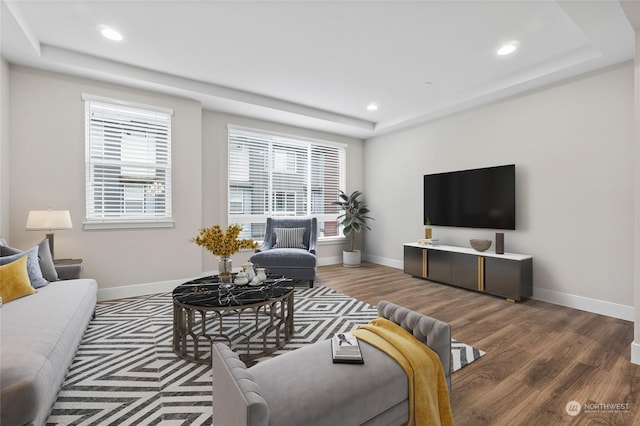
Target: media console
506 275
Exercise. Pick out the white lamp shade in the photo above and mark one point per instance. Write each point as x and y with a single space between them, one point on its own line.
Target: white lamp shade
47 220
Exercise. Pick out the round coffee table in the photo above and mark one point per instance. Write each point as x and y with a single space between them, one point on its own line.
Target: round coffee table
253 320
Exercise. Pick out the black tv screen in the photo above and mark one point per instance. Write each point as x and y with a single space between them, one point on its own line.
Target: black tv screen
478 198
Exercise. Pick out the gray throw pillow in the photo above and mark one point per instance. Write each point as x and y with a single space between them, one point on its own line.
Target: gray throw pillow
46 261
33 266
289 238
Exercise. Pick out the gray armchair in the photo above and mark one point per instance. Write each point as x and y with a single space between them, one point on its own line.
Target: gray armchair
289 248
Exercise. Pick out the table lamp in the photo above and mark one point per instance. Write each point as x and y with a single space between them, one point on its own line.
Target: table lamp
48 220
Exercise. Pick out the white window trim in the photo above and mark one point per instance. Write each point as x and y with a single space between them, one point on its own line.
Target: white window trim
95 98
286 135
332 240
131 223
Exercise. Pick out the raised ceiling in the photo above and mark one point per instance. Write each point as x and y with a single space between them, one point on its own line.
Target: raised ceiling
318 64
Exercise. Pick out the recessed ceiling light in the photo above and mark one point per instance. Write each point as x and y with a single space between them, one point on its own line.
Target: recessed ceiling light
507 49
110 33
372 107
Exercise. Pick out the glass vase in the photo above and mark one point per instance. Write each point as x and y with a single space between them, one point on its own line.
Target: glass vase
224 267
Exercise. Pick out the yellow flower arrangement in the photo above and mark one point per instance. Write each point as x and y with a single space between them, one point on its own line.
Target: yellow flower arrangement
223 244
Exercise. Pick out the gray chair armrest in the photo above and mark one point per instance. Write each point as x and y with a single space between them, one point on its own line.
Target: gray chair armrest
432 332
313 236
236 396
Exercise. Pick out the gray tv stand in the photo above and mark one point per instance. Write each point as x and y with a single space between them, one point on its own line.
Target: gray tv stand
506 275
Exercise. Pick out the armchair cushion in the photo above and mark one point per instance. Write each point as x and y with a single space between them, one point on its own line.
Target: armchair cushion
283 257
289 238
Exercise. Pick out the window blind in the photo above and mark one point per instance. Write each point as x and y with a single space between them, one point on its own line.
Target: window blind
275 175
128 163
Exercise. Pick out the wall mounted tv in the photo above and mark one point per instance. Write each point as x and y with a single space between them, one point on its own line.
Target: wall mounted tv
478 198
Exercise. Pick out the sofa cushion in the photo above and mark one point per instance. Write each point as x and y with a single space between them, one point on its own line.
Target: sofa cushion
14 280
33 264
330 394
289 238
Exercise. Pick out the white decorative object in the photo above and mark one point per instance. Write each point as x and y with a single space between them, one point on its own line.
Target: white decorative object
241 279
261 274
251 273
351 259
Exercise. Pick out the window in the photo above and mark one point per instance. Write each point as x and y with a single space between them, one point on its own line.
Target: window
277 175
128 164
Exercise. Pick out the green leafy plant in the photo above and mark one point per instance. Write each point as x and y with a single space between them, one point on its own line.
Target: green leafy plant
354 219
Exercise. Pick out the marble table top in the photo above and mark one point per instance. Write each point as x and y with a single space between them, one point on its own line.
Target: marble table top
207 292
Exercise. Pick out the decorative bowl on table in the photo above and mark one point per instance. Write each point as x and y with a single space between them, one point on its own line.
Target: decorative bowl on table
480 245
241 279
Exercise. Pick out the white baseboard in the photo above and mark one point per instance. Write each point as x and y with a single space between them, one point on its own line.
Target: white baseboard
635 352
137 290
615 310
385 261
325 261
601 307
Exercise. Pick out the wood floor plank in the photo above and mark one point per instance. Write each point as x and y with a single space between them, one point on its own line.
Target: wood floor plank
540 356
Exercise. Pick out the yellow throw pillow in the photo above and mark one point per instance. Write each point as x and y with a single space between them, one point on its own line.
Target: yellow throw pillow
14 280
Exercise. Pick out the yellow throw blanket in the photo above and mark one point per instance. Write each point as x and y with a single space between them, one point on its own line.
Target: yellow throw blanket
428 394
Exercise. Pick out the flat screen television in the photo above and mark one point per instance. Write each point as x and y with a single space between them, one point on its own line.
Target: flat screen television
478 198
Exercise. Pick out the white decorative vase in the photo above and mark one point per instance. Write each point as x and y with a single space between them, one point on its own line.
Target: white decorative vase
351 259
251 273
261 274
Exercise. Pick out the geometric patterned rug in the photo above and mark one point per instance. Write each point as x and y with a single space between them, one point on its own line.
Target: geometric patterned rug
125 371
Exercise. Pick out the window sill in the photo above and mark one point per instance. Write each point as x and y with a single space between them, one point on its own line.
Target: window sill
129 224
329 241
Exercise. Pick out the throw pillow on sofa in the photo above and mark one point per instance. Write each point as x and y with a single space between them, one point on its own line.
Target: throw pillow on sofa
14 280
33 265
45 258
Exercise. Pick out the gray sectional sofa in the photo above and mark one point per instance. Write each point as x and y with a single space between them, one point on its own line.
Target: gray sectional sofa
40 334
304 387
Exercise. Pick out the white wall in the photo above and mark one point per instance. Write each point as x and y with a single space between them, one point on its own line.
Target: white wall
214 158
635 347
573 146
4 148
48 168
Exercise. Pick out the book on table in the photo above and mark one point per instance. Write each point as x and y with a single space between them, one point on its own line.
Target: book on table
346 349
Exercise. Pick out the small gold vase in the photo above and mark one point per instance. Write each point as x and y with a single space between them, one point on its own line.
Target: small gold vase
427 233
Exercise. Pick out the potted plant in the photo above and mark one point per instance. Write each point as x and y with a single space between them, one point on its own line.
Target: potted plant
353 220
223 245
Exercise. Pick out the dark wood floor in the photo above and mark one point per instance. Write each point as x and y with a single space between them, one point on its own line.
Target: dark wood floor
540 356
